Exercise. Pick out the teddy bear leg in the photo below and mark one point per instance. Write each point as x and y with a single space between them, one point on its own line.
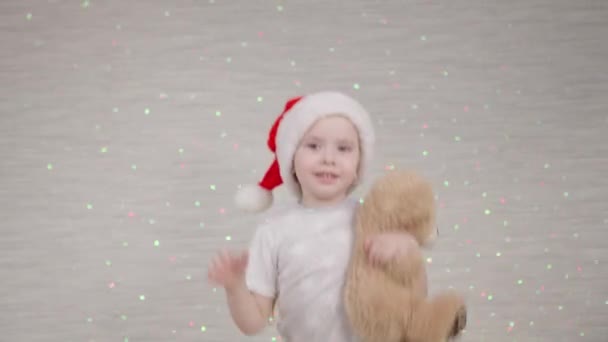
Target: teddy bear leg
437 319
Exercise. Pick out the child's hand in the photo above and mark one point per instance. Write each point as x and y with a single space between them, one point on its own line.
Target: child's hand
228 269
385 247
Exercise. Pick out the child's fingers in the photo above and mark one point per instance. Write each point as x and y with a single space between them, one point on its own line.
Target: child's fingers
243 259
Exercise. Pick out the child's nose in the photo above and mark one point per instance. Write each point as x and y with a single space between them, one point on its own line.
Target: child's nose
328 156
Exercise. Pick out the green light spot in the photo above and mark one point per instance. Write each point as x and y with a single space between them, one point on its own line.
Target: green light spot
197 203
280 8
108 263
505 223
218 113
142 297
228 59
356 86
104 149
566 194
126 339
487 212
181 150
498 254
156 243
547 165
484 194
152 221
490 297
456 227
85 4
133 167
549 266
89 206
423 38
445 73
147 111
260 99
203 328
123 317
28 16
212 187
446 183
49 166
361 200
425 153
125 244
457 138
188 277
228 238
520 282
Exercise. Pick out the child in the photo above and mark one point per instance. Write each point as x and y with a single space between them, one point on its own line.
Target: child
323 145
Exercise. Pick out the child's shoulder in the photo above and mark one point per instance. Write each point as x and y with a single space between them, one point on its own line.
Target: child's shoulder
277 217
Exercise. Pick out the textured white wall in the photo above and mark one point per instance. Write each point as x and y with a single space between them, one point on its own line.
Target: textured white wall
124 123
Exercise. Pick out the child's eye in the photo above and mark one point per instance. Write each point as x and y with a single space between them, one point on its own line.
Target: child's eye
312 146
344 148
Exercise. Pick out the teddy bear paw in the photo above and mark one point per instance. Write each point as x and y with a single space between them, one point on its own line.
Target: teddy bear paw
459 323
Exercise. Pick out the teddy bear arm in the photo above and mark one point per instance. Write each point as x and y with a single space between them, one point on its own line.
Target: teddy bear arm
408 270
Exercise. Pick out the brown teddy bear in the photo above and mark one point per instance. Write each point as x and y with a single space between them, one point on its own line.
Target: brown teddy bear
389 303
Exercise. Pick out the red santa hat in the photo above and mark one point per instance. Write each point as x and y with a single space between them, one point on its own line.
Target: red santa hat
299 114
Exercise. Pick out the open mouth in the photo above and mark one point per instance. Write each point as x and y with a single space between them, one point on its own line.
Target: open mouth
326 176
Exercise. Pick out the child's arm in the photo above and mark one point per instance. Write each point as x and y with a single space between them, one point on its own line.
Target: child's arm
250 311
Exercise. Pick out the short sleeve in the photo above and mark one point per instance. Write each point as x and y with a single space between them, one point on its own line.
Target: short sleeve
261 275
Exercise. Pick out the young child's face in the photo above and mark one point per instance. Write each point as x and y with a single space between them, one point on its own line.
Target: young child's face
326 161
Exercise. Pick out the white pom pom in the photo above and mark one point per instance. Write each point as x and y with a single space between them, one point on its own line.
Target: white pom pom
253 198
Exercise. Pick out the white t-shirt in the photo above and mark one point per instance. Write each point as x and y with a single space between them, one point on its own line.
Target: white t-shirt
301 258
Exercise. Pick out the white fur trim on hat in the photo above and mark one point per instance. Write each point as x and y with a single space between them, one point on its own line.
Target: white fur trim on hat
253 198
304 114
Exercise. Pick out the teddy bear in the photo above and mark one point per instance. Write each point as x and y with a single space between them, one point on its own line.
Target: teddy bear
389 302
